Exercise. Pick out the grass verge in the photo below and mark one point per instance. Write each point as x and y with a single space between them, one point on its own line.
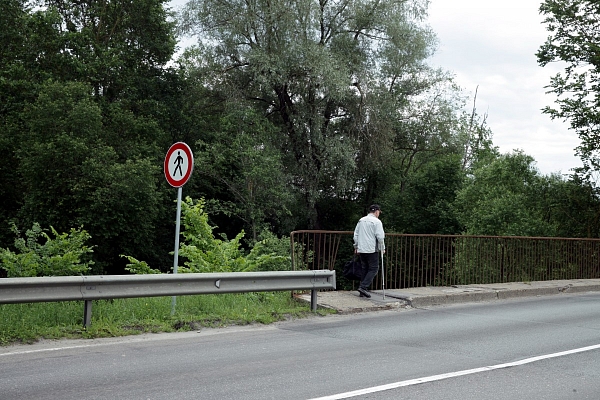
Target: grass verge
30 322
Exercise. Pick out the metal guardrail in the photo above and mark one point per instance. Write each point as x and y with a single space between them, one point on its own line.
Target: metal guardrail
97 287
415 260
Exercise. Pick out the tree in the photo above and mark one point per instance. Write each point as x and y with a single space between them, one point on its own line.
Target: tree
575 207
88 107
72 177
506 197
28 42
424 204
115 45
332 76
438 147
240 156
574 26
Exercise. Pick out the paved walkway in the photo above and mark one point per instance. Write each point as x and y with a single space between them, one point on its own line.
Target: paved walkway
350 302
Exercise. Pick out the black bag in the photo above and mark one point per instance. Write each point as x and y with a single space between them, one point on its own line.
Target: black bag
353 269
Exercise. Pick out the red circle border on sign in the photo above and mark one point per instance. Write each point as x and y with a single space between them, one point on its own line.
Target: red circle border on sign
186 149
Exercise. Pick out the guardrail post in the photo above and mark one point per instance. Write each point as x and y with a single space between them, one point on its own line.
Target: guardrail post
313 300
87 314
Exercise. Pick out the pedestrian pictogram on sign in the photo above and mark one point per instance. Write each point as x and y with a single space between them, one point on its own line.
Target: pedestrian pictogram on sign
179 164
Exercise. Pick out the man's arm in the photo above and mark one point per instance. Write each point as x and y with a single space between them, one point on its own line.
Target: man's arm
380 235
356 233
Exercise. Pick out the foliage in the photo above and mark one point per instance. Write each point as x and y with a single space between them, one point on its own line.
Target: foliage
139 267
29 42
276 250
71 175
434 150
426 198
240 156
475 138
205 253
299 113
574 27
506 197
115 46
574 205
334 78
86 104
40 255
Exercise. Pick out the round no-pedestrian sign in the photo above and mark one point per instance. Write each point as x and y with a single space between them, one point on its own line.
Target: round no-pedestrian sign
179 164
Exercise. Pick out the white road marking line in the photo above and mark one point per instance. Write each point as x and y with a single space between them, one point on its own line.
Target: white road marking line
440 377
49 349
145 338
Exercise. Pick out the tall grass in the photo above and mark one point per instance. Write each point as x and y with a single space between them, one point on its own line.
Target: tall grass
27 323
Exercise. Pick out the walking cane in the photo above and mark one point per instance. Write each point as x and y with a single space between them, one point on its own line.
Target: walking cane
382 275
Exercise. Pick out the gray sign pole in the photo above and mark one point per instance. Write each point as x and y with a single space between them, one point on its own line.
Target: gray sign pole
179 164
176 255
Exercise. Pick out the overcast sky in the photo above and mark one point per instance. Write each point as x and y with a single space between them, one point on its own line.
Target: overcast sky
491 45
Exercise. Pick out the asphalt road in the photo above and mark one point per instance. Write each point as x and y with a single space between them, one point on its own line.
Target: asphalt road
502 350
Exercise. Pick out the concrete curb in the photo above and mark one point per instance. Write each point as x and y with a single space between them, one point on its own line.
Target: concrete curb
434 300
547 291
346 302
473 293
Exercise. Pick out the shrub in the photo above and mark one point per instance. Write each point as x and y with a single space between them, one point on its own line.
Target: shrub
205 253
65 254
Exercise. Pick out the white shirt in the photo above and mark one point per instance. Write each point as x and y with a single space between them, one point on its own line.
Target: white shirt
369 235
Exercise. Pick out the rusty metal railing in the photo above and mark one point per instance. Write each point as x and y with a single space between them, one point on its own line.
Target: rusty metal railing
445 260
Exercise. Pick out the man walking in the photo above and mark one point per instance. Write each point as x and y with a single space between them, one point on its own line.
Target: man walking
368 239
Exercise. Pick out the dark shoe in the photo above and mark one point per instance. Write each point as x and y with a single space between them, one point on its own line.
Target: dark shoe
364 293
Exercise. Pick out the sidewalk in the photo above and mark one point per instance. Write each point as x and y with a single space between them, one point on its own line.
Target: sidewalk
349 302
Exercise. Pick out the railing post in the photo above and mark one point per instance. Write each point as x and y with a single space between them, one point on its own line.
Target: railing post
313 300
293 253
87 313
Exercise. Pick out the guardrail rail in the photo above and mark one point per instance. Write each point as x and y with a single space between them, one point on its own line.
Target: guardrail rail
98 287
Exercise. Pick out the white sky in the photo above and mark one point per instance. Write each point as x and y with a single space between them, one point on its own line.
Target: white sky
491 45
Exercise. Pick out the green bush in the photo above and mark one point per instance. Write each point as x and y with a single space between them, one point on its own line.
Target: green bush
139 267
275 252
40 255
205 253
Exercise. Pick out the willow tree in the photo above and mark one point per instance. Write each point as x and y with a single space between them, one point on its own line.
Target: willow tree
335 77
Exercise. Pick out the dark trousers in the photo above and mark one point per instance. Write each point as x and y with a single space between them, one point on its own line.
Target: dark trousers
370 266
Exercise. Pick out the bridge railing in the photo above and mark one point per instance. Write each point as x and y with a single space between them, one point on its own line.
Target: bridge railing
446 260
